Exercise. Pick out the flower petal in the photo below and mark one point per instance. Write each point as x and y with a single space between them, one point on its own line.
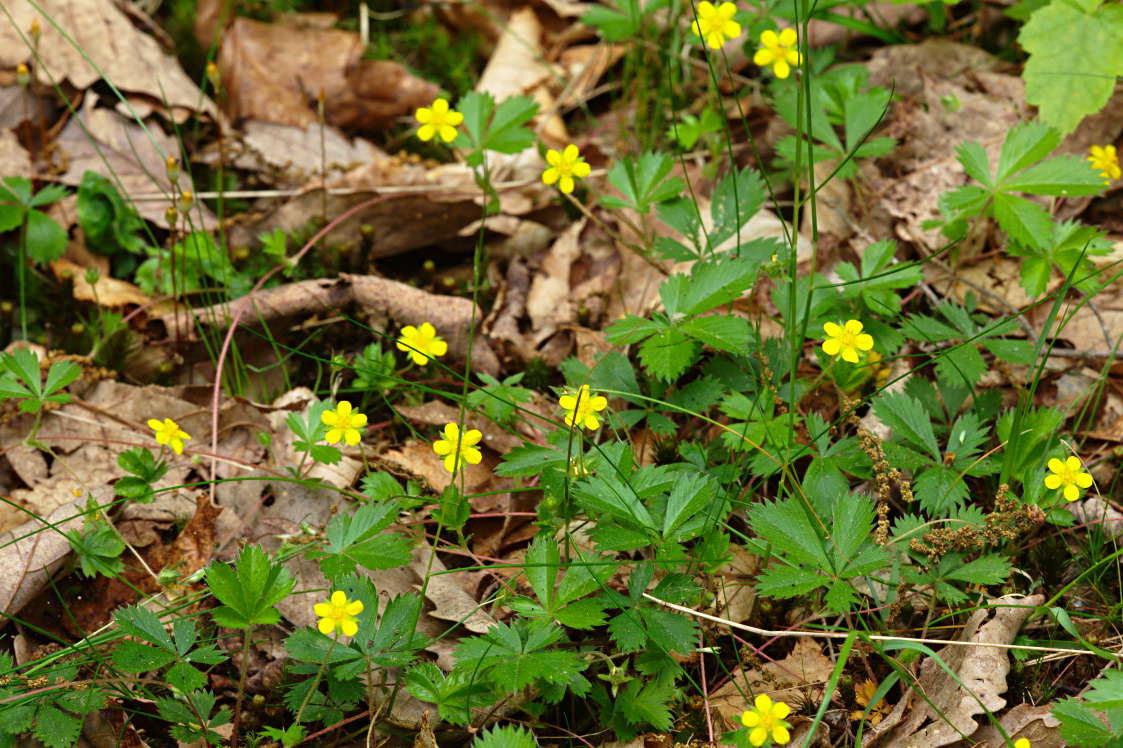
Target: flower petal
565 184
571 153
781 710
832 329
1072 493
1052 482
853 326
788 37
442 447
553 158
1056 465
1073 463
350 628
1084 480
781 69
780 734
763 57
769 39
326 625
763 703
750 718
832 347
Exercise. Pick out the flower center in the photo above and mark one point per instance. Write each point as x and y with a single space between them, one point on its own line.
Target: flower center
767 721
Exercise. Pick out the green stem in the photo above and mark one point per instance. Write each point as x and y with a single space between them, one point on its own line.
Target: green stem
315 682
241 688
22 279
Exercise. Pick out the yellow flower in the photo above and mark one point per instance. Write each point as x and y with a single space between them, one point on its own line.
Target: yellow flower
455 447
564 167
422 343
1022 743
338 614
777 52
438 120
846 340
1069 474
344 424
583 408
767 721
169 432
1106 160
716 24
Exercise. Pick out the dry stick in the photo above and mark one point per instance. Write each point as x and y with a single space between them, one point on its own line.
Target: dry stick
840 635
226 342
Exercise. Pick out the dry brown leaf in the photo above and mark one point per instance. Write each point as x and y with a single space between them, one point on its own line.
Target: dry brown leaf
437 413
925 76
735 588
1034 723
450 601
982 670
32 552
799 676
289 157
15 161
101 41
131 157
517 67
108 292
275 72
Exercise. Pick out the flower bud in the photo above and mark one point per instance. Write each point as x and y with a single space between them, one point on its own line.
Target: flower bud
172 165
213 76
92 276
33 30
171 215
185 201
23 75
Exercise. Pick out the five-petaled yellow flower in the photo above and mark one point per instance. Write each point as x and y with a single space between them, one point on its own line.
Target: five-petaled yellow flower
767 721
564 167
1022 743
846 340
338 614
344 424
438 119
422 343
1106 160
168 432
777 51
457 447
1068 474
716 24
582 408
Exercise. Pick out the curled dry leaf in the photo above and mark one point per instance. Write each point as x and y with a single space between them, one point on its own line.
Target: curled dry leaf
100 41
30 554
276 72
951 705
406 305
130 156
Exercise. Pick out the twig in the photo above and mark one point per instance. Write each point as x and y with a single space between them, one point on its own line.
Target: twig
841 635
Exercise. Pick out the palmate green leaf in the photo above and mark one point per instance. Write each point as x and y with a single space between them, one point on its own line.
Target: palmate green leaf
736 198
1026 143
1075 54
647 703
1080 725
56 728
992 568
940 489
505 736
908 419
689 494
1106 691
853 518
46 240
507 132
710 284
141 622
1035 274
961 365
248 593
643 182
1062 176
1023 220
668 353
975 162
788 581
355 540
615 25
722 332
455 695
630 329
134 657
513 657
98 550
786 525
